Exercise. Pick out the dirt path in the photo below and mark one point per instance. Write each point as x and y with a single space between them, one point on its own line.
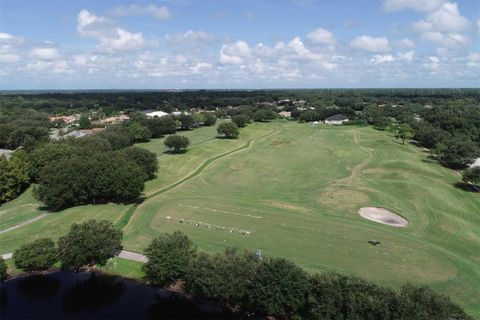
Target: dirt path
41 216
351 181
133 256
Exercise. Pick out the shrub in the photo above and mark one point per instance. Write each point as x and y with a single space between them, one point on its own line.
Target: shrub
228 129
168 258
240 120
177 143
39 255
279 288
3 269
88 244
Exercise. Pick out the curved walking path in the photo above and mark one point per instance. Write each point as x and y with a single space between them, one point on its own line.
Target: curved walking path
124 254
41 216
131 211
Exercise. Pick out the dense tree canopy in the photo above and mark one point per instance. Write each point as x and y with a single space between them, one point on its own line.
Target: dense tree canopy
14 175
228 129
472 175
279 288
457 152
22 128
88 244
209 119
168 255
177 143
186 121
241 120
3 269
39 255
224 277
161 126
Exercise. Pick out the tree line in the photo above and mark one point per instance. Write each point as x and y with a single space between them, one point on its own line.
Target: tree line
243 281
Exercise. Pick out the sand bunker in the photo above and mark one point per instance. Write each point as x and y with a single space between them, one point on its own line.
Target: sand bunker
384 216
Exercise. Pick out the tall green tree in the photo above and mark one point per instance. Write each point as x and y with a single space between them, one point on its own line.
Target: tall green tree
228 129
209 119
177 143
404 132
84 121
168 258
3 269
88 244
14 175
38 255
224 277
240 120
472 175
186 121
457 152
279 288
145 159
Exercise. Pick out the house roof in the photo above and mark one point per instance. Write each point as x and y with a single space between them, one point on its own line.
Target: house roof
157 114
337 117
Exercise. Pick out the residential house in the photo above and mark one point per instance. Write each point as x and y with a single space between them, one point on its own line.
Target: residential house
336 119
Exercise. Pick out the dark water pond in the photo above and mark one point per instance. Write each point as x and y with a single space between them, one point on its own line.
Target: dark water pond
88 295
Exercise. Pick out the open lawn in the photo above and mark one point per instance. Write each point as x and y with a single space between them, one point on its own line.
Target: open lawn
294 191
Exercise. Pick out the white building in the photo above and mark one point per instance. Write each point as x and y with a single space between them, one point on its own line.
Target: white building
157 114
336 119
476 163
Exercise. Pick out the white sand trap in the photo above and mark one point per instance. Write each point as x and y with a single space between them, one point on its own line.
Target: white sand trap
384 216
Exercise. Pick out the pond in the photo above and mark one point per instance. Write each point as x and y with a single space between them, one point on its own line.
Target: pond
91 295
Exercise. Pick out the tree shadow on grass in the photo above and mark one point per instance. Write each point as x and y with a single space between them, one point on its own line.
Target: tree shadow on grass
225 138
175 152
466 187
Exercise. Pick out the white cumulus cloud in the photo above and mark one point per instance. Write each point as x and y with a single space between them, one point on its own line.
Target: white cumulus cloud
405 43
370 44
45 53
111 37
417 5
136 9
444 26
321 36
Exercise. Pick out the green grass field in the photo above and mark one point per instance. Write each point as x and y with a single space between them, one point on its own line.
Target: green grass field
294 191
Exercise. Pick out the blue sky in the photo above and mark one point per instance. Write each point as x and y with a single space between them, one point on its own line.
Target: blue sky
87 44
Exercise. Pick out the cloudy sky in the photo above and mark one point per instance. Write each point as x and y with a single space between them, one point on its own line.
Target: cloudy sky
93 44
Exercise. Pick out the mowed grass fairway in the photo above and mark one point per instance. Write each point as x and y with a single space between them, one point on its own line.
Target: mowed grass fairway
293 191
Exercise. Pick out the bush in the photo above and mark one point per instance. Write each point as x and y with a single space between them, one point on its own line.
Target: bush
177 143
457 153
336 296
39 255
161 126
472 175
264 115
224 277
228 129
90 178
145 159
209 119
240 120
168 258
186 121
14 175
279 288
3 269
88 244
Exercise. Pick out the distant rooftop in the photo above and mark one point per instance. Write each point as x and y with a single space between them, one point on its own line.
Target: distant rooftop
337 117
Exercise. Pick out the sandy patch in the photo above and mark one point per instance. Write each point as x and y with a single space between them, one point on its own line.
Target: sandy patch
383 216
344 199
286 206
